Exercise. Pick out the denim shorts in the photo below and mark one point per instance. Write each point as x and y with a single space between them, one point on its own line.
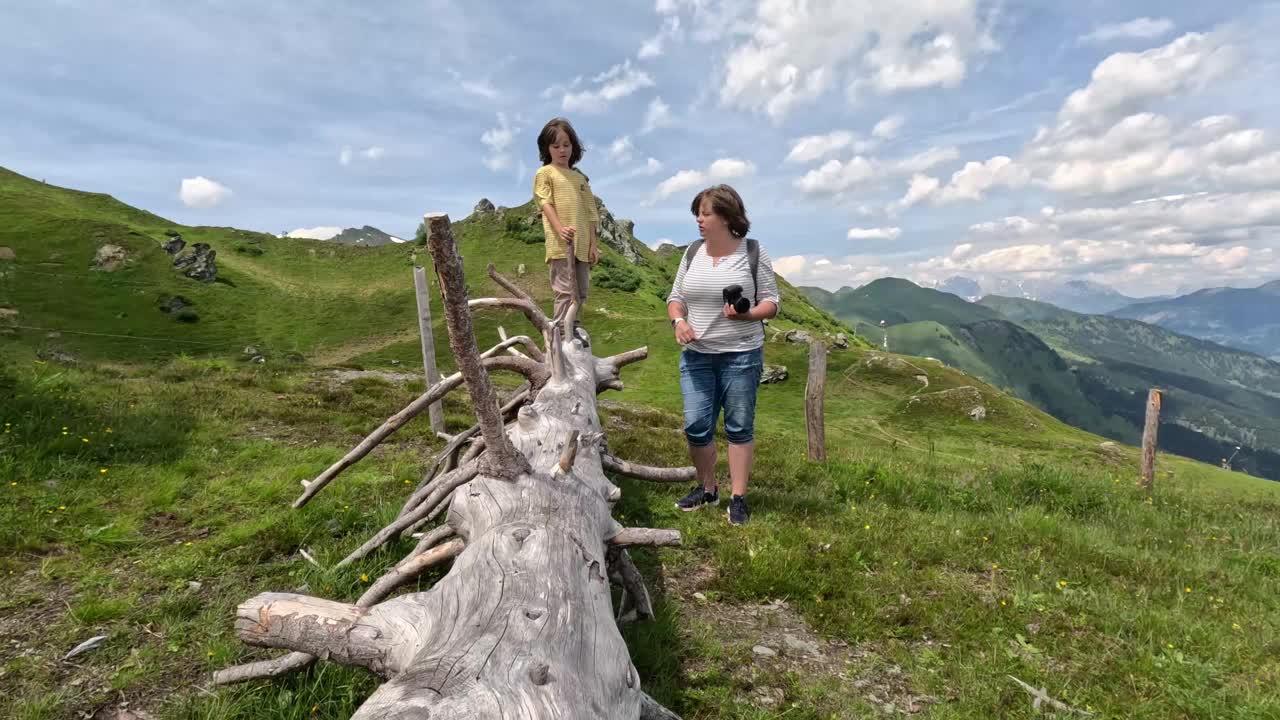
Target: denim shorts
711 381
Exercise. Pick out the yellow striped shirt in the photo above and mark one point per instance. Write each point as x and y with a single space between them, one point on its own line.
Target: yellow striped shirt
568 191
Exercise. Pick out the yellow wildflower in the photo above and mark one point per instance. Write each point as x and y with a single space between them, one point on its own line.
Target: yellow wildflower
364 577
103 471
1186 589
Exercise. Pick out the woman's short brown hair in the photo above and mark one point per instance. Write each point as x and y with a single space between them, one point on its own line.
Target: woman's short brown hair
548 136
727 203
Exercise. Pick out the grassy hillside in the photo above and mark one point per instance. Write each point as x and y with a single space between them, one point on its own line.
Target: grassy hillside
932 557
279 295
898 301
1090 371
1228 396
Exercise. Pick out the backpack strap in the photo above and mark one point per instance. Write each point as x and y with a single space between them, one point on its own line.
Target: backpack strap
691 252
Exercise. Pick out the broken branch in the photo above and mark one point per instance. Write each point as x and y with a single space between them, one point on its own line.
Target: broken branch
647 472
653 537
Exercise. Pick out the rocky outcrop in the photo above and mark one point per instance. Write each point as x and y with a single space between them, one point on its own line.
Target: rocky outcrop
773 374
110 258
484 207
197 262
174 244
618 234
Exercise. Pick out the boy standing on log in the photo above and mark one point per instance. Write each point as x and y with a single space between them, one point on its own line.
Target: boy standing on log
570 220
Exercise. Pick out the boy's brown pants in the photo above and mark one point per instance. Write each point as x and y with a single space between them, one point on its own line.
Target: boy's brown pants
562 285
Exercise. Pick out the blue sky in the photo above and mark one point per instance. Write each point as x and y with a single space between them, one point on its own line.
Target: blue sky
1131 143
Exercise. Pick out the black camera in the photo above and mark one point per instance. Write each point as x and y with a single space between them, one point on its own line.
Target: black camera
733 296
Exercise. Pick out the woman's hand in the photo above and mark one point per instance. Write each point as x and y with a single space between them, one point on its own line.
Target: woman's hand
684 332
567 233
593 255
733 314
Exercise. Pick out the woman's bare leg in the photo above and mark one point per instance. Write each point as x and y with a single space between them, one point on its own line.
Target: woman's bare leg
741 458
704 460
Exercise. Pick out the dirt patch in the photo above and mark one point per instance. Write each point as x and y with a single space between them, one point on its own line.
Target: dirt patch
6 253
777 642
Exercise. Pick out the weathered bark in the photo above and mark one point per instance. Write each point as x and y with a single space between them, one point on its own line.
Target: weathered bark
1150 441
502 460
814 389
522 625
436 411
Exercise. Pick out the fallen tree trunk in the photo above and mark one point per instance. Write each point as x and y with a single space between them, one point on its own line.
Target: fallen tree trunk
522 625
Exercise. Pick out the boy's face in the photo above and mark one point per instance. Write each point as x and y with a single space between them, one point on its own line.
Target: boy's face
561 148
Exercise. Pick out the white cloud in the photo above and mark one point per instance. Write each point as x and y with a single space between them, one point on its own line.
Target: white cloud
797 52
719 171
974 179
652 166
348 154
621 150
201 192
920 187
1143 28
881 233
813 147
922 161
480 88
497 140
831 273
617 82
656 45
836 176
658 115
660 242
321 232
1123 82
888 128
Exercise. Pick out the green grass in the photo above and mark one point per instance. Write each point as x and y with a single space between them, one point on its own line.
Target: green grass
146 493
203 457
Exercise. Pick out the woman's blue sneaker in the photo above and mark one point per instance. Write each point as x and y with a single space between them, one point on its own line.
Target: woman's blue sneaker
738 512
698 497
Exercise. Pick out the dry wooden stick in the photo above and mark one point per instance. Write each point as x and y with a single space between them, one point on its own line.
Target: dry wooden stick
530 310
501 459
535 373
633 587
1042 697
413 567
570 452
430 540
647 472
653 537
448 483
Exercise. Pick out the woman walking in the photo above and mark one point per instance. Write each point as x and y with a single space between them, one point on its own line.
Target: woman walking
723 291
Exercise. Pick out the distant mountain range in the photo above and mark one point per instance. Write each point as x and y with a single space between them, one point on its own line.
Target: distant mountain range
1245 318
1089 370
367 236
1077 295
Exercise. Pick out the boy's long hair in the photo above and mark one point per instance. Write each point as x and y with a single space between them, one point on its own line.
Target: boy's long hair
548 136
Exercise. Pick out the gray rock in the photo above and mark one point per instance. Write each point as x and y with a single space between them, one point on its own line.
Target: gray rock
923 380
618 234
799 336
197 262
773 374
484 207
110 258
195 585
174 304
763 651
840 341
520 270
259 359
6 253
174 244
798 645
58 356
979 413
251 350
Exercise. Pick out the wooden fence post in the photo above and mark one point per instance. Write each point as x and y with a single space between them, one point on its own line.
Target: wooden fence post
813 395
428 345
1149 440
